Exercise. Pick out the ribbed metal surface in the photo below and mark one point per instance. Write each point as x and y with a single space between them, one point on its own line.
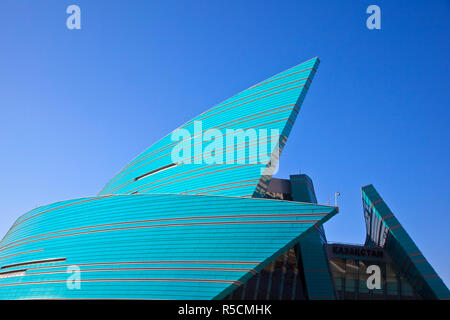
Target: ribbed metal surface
272 104
319 284
144 246
159 229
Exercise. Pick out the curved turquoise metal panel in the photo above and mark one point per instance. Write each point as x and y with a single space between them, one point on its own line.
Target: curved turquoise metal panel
148 246
272 104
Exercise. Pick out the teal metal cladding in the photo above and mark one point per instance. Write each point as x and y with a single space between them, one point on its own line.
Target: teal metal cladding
272 104
149 246
319 284
172 230
384 230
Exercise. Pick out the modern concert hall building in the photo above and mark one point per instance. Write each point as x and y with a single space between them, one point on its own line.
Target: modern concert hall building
198 215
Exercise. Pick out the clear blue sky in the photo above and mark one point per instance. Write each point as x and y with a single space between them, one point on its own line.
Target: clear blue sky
77 105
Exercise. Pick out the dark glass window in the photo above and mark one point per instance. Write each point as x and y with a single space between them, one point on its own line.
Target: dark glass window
350 281
281 279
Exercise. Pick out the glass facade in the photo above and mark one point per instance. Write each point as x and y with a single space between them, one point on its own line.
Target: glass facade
283 279
350 280
280 280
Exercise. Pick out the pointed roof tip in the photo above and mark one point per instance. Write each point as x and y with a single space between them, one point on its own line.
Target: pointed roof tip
366 186
229 112
316 58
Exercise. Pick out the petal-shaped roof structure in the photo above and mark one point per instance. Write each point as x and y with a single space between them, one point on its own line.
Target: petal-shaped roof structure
385 231
148 246
184 220
218 158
